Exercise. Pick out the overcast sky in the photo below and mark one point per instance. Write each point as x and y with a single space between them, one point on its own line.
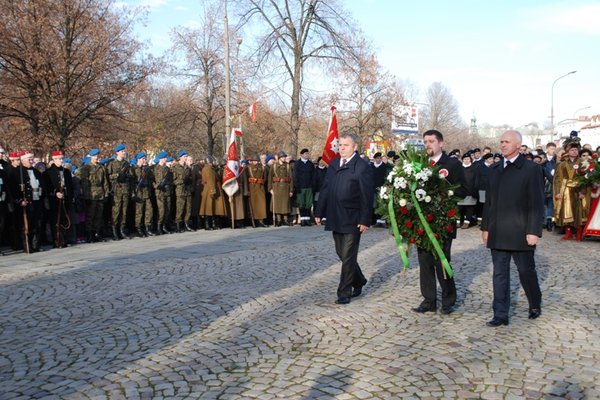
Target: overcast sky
498 58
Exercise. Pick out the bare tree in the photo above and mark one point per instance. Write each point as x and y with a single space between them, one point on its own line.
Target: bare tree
441 112
66 63
294 33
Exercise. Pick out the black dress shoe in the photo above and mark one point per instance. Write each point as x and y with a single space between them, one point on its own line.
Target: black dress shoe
343 300
447 310
497 322
534 313
422 309
358 290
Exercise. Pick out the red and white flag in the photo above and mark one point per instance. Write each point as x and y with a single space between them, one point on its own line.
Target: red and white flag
232 169
252 111
331 149
238 132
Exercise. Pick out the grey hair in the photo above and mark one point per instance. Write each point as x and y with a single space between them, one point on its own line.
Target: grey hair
517 135
350 135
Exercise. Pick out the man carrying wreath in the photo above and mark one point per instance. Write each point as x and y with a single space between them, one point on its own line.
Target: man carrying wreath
429 265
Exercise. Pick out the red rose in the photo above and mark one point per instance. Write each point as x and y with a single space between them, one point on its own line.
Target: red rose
412 240
408 224
449 228
451 212
595 155
403 210
436 235
429 217
420 232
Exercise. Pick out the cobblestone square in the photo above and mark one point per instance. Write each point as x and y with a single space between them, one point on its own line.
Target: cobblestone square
250 313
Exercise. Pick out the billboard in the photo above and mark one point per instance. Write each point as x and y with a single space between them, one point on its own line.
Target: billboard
405 120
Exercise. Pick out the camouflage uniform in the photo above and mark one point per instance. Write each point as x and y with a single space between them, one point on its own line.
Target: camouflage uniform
141 195
120 177
182 181
94 183
163 186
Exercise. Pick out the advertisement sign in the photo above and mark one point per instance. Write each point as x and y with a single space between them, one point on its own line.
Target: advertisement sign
405 120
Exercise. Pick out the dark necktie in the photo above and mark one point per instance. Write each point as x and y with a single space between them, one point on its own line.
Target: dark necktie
343 162
507 164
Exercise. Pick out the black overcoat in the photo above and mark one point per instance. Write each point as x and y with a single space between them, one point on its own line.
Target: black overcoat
514 205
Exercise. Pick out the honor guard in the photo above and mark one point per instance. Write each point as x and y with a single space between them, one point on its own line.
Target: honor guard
141 195
120 178
94 184
281 187
163 185
61 198
182 181
257 178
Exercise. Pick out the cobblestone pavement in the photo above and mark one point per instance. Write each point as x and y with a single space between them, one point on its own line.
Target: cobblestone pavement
249 314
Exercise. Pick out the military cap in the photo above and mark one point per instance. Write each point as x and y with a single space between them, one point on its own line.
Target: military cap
162 154
467 155
269 158
391 154
85 160
181 154
57 153
488 155
13 155
170 159
132 161
139 155
67 160
303 151
281 154
377 155
94 152
497 155
119 147
73 169
476 149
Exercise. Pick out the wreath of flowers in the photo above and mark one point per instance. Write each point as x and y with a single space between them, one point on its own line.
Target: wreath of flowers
588 171
419 203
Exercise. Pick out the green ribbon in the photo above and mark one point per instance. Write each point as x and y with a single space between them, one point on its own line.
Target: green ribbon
400 243
417 166
430 235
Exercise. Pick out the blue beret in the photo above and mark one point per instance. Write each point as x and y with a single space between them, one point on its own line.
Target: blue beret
156 159
132 161
119 147
103 161
73 169
162 154
181 153
244 162
85 160
139 155
94 152
170 159
67 160
269 158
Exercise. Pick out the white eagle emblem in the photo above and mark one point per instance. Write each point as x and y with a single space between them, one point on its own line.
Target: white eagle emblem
334 145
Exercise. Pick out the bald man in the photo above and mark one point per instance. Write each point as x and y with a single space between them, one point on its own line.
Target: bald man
512 225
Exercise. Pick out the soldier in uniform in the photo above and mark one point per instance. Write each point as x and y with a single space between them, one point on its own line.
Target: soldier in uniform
141 195
26 187
304 180
163 185
257 178
281 187
182 183
189 181
94 183
120 177
5 199
61 198
212 204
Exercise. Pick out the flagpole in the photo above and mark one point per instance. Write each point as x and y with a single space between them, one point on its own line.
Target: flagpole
241 140
227 85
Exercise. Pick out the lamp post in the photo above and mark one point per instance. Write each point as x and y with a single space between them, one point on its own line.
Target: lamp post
580 109
552 101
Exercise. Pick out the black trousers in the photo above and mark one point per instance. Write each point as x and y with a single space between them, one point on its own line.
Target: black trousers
346 247
525 263
429 267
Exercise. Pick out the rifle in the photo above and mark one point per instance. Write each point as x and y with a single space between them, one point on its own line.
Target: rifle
143 174
59 239
25 219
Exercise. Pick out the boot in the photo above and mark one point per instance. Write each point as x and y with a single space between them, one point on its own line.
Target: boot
89 237
187 226
216 223
163 229
123 233
580 234
140 232
259 224
178 227
208 223
149 231
115 235
568 234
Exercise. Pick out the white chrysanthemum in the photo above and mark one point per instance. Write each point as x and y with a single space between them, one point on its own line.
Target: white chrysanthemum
407 168
427 199
450 193
420 194
383 193
402 202
422 176
400 182
391 175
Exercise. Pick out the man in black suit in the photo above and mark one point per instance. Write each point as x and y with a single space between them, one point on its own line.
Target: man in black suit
430 266
346 198
512 225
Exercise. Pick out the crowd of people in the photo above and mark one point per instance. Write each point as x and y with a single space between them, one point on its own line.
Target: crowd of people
57 203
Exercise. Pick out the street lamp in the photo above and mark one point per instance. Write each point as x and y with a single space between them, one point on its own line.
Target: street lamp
552 100
580 109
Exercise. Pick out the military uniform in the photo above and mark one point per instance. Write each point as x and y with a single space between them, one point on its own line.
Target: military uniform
60 182
94 183
142 175
163 186
304 181
212 203
182 182
257 178
280 184
120 177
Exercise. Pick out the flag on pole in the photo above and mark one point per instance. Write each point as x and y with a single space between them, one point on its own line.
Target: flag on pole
238 132
331 149
252 111
232 169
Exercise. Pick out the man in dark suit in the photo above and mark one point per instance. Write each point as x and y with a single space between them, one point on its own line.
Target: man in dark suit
512 225
429 265
346 198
